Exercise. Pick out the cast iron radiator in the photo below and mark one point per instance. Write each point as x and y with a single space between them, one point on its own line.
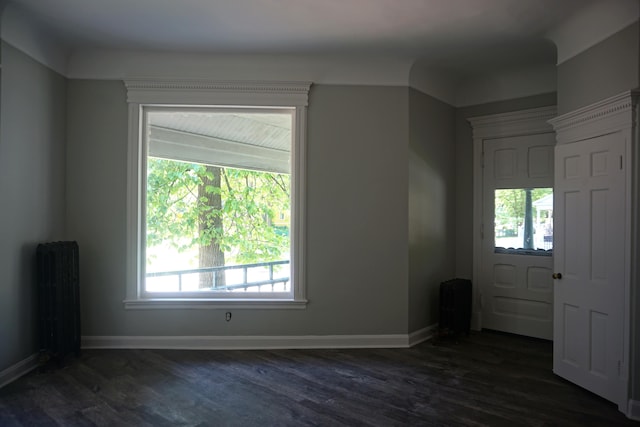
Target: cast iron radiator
58 299
455 306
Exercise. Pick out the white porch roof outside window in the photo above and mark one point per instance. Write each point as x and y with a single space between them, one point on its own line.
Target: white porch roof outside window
259 140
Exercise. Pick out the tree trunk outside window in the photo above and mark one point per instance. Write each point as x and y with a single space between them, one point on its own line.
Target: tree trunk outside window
210 223
528 220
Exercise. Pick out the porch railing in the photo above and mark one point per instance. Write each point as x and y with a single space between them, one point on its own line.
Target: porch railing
243 285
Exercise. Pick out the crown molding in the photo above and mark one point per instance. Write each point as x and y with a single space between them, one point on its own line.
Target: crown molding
603 19
525 122
435 83
24 34
606 116
502 85
115 64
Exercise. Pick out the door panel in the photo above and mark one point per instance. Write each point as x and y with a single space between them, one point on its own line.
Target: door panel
539 279
571 325
572 238
540 161
505 161
516 289
589 253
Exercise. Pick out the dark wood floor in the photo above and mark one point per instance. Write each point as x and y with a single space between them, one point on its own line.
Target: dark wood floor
487 379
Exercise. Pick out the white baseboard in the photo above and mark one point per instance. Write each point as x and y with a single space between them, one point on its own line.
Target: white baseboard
257 342
634 409
232 343
422 335
21 368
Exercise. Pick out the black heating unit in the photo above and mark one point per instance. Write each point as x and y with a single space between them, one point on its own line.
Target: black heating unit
58 299
455 307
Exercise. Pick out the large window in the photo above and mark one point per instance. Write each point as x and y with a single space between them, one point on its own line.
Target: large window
217 204
218 182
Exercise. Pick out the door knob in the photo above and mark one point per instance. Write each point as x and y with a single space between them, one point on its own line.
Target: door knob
557 276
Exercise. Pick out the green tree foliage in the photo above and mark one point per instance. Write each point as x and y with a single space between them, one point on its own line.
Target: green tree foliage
178 213
510 206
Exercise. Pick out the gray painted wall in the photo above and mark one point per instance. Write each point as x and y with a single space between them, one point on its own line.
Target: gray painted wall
606 69
32 137
464 171
431 205
357 262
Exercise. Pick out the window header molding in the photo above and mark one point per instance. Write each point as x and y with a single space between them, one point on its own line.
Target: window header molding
211 92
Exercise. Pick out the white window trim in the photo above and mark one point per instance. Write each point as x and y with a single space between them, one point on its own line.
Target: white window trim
141 93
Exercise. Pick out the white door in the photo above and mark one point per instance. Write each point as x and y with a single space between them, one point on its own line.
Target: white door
516 285
589 263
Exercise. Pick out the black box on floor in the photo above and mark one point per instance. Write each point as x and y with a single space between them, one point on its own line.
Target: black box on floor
455 306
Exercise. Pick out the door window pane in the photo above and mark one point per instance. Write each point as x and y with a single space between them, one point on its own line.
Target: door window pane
524 219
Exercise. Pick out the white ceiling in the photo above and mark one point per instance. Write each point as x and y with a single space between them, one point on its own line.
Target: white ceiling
455 35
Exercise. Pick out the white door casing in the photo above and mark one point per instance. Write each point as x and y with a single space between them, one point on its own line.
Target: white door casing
596 239
516 286
521 304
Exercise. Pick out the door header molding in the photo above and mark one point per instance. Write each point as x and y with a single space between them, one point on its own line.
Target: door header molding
525 122
607 116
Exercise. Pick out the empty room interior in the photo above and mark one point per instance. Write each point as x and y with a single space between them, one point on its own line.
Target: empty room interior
357 212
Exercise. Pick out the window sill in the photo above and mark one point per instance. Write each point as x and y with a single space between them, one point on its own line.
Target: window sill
202 303
520 251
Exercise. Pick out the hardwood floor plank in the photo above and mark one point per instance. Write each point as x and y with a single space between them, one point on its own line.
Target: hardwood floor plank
485 379
19 409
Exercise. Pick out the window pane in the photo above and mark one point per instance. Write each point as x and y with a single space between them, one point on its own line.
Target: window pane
218 201
524 218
